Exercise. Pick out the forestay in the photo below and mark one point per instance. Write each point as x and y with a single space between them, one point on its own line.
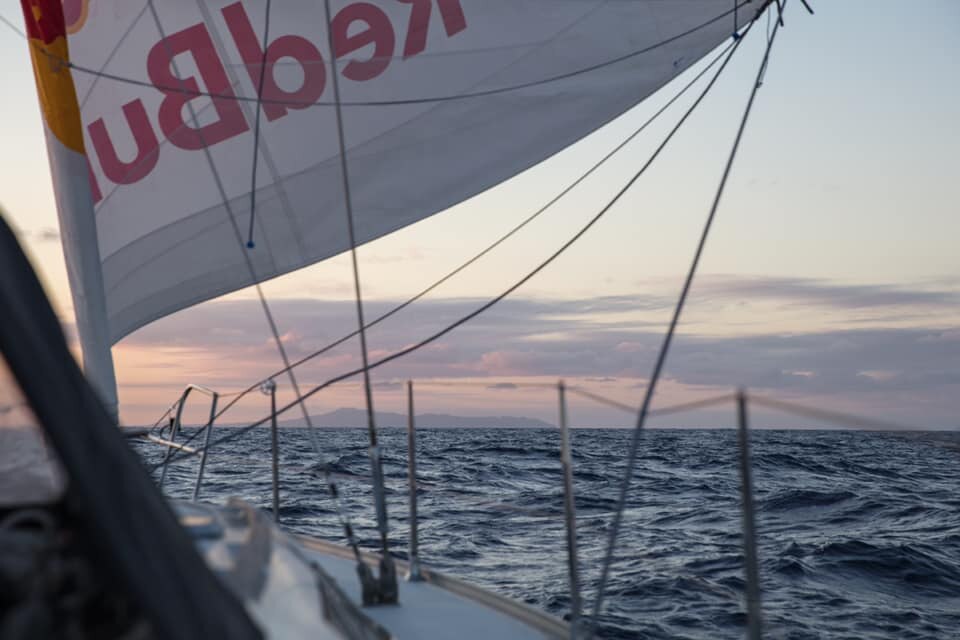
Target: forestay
441 100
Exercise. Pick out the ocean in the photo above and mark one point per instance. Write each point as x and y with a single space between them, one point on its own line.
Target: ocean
859 532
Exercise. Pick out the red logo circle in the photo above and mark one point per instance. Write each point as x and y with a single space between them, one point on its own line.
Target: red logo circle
75 14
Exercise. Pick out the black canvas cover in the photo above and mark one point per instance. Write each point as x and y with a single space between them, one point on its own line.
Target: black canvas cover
128 522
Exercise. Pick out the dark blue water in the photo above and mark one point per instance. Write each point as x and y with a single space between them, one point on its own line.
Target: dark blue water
859 532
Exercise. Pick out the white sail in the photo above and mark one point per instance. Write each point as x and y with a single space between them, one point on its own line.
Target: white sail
441 100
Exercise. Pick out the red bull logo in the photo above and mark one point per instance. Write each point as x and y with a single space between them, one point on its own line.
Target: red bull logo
75 14
58 99
362 33
44 19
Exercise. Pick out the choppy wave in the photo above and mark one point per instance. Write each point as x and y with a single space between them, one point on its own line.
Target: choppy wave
858 531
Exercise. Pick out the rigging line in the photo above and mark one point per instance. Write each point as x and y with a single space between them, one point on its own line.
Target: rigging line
156 425
111 55
501 239
17 30
845 419
526 278
401 102
236 229
256 126
665 347
266 155
664 411
386 593
348 202
692 406
780 9
596 397
491 384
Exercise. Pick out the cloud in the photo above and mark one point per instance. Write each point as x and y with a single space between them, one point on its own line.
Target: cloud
847 361
821 292
505 341
611 340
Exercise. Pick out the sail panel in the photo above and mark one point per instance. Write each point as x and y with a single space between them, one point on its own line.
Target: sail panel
442 99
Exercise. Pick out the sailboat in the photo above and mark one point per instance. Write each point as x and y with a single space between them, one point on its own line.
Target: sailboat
199 148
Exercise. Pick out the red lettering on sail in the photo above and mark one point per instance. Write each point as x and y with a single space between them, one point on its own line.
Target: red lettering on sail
453 22
94 185
295 47
378 32
361 32
178 92
118 171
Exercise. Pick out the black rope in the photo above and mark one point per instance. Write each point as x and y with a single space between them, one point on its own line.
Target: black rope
385 590
476 312
665 347
375 103
256 126
496 243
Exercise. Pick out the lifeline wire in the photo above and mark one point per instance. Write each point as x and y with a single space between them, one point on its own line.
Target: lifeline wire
845 419
476 312
663 411
664 349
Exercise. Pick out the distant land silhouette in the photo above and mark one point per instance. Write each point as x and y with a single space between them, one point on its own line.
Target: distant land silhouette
358 418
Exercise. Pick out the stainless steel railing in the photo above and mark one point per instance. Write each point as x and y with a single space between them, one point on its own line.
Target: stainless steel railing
579 627
175 426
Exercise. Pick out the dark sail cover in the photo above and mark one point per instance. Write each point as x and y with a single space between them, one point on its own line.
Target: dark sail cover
128 523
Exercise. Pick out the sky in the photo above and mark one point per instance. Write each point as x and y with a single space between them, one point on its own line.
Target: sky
831 277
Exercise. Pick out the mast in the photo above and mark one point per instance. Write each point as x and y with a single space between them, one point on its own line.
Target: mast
81 251
70 170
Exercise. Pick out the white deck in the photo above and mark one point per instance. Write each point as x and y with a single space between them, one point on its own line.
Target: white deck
439 607
270 570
